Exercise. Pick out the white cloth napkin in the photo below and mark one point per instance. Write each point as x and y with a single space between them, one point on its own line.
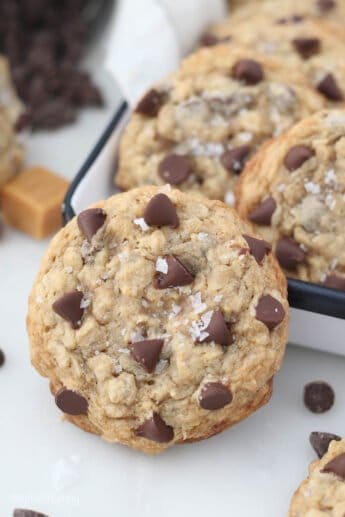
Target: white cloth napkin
149 38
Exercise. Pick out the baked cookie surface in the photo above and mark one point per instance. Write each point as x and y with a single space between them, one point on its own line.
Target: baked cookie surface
158 319
11 150
294 191
197 129
322 494
313 46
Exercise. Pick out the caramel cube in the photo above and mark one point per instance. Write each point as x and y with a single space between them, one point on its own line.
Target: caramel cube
32 201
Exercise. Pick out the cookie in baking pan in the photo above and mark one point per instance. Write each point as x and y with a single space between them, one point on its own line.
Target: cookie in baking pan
158 318
322 494
197 129
313 46
294 191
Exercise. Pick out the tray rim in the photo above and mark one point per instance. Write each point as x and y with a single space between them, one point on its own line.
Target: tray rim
302 295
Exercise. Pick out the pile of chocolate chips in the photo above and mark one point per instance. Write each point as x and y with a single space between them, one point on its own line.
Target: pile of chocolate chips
44 41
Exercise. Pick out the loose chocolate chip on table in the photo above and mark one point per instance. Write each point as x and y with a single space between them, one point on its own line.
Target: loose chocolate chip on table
335 282
289 254
90 221
234 159
2 358
270 311
248 71
147 352
218 331
258 248
297 155
320 442
71 402
262 213
336 466
215 395
156 430
161 212
150 104
177 275
329 88
174 169
307 47
325 5
69 308
318 396
20 512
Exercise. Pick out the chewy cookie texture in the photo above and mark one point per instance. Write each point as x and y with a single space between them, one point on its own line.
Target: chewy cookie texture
294 189
197 129
158 319
322 494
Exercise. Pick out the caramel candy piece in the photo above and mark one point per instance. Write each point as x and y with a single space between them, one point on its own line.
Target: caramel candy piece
32 201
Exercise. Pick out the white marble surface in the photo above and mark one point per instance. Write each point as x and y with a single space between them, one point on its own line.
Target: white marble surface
53 467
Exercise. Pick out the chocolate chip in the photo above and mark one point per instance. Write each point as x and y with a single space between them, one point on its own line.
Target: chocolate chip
218 331
147 352
335 282
20 512
336 466
161 212
289 254
90 221
320 442
307 47
156 430
150 104
297 155
248 71
325 5
215 395
318 396
68 307
209 40
2 358
270 311
234 159
329 88
71 402
174 169
258 248
262 213
177 275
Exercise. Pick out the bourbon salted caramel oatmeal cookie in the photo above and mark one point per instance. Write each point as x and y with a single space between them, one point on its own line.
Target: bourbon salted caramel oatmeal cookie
294 191
197 129
313 46
11 150
322 494
158 319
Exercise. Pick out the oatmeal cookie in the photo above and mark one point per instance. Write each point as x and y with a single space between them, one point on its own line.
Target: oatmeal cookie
11 150
322 494
197 129
294 191
158 319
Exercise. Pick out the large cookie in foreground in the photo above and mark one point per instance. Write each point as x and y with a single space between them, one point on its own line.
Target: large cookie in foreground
197 129
322 494
294 191
158 319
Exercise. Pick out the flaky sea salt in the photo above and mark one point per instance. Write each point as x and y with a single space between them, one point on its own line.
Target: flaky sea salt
281 187
85 301
197 303
335 118
123 351
161 365
162 265
330 177
229 198
218 298
144 303
141 223
202 236
312 188
245 136
175 310
69 269
330 201
118 368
